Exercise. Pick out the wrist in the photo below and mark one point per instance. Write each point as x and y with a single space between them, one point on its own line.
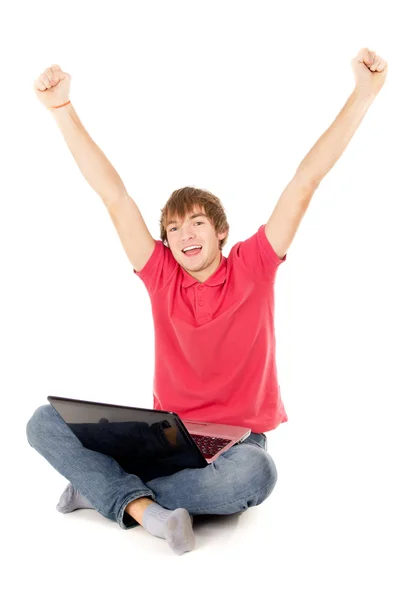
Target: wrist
364 95
59 106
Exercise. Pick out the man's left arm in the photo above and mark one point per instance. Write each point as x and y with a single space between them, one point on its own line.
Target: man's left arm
370 73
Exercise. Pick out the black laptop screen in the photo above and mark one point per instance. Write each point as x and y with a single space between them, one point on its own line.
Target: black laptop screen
147 443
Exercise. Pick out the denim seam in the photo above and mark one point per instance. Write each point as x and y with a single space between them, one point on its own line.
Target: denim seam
194 510
251 441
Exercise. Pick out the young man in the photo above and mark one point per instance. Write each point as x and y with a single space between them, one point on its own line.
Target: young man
214 330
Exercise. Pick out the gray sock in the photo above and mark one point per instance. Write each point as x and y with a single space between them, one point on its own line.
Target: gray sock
71 500
175 526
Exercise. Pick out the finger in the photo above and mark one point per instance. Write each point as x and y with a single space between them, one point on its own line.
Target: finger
363 55
375 64
50 75
366 56
379 64
39 85
45 80
382 65
371 56
56 71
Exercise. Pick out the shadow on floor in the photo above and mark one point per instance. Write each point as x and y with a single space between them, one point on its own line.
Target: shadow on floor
230 521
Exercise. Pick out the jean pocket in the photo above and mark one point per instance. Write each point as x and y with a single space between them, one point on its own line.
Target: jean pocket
259 439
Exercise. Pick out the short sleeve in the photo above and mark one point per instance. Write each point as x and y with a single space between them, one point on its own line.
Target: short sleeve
258 256
159 268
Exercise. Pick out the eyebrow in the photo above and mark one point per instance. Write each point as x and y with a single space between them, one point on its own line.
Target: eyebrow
190 218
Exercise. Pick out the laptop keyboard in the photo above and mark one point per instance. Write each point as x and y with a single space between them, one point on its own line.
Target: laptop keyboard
209 446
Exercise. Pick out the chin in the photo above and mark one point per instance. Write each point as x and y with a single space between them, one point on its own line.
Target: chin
194 266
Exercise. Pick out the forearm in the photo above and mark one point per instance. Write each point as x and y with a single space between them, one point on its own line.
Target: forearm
331 145
93 164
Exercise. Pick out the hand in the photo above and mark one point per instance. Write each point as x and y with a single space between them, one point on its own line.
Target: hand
52 87
370 72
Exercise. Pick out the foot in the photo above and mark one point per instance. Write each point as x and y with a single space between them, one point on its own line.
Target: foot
175 526
71 500
178 531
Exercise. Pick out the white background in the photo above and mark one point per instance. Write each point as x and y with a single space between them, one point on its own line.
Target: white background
228 96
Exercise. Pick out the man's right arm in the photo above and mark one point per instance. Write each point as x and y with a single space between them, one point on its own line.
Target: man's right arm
104 179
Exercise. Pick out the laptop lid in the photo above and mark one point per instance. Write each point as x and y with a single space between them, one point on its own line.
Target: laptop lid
146 442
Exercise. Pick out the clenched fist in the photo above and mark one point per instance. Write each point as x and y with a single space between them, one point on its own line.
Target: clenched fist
52 87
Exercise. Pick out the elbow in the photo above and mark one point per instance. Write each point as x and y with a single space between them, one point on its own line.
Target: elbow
307 181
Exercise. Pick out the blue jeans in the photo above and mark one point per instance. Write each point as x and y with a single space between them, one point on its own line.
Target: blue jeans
241 477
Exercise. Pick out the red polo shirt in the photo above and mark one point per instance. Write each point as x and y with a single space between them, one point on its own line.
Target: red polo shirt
215 341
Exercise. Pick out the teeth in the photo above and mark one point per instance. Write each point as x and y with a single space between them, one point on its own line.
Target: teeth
191 248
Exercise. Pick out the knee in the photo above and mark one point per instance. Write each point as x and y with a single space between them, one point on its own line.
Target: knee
36 425
269 477
261 478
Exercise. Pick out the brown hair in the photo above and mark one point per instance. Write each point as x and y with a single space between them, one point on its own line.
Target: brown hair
183 201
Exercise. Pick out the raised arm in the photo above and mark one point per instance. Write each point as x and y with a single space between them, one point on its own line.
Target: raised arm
52 88
370 72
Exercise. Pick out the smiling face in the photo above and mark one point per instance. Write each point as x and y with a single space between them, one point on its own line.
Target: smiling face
195 230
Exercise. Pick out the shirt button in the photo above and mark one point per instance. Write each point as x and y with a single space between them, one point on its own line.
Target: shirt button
200 303
200 287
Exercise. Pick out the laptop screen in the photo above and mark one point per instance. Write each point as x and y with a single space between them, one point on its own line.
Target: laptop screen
147 443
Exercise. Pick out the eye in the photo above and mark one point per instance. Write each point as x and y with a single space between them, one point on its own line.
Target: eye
200 222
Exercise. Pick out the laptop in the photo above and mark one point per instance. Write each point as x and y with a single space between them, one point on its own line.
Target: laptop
146 442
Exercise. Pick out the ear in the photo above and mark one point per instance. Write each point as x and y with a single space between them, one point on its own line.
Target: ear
222 235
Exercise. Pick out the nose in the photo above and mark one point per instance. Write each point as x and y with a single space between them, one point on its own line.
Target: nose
186 236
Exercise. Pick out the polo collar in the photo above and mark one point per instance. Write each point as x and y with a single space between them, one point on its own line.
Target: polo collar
219 276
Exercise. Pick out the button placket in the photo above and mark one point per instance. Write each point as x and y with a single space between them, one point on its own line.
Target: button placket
200 299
